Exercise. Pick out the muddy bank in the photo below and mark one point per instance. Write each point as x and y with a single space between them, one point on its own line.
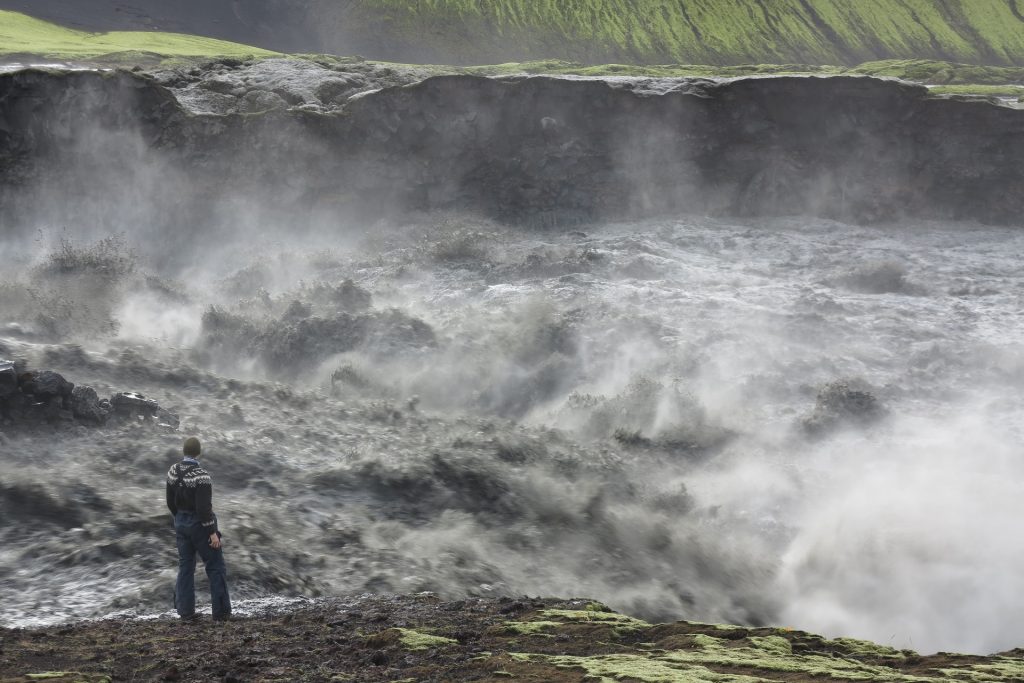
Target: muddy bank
419 638
322 143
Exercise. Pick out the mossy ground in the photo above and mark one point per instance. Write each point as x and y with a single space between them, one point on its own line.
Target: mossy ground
420 638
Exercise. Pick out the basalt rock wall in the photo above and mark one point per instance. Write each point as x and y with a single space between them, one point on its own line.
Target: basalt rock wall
540 151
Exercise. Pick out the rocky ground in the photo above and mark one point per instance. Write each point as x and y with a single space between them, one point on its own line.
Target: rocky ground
420 638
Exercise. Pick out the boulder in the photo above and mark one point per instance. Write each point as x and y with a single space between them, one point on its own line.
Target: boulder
86 405
132 405
259 101
47 384
843 402
336 90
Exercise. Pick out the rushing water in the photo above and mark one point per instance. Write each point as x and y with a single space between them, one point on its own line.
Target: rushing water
616 413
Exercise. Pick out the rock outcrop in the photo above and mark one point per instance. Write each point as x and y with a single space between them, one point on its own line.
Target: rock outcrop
535 150
45 397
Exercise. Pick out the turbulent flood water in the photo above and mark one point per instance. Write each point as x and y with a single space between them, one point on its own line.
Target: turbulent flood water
625 412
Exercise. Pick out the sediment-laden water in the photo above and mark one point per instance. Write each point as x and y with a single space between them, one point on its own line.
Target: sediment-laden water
626 412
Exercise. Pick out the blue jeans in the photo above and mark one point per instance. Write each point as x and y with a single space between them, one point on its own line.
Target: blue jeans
193 539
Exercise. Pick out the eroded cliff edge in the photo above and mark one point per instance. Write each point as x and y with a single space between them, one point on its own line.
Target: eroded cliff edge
86 145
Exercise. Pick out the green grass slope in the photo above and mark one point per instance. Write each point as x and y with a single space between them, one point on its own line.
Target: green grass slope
716 32
23 34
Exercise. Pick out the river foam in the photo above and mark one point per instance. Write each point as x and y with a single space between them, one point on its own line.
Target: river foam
617 412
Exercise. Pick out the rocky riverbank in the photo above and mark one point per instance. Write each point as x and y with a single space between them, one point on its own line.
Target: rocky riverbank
420 638
341 141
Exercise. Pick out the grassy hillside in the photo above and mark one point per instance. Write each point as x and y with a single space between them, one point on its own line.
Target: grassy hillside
691 31
23 34
714 32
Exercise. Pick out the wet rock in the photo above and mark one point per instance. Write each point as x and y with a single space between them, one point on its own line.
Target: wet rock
542 151
85 405
130 405
393 331
220 86
297 311
349 296
46 396
47 384
843 402
8 378
259 101
348 377
166 418
335 90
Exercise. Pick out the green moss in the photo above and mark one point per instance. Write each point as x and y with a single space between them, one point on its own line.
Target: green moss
589 616
417 640
613 668
20 33
69 676
952 77
531 627
865 648
595 606
747 659
940 72
707 642
980 90
774 653
774 645
1002 669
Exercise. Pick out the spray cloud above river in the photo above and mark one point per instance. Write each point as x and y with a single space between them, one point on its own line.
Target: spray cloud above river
794 421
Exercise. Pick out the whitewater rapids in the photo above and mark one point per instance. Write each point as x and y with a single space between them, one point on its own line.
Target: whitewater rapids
616 413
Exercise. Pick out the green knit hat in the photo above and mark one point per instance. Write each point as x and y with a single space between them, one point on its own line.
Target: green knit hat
192 446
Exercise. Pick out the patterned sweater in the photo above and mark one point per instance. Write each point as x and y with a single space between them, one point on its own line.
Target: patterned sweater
190 489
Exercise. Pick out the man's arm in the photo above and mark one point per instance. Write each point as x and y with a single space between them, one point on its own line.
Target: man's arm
171 505
204 509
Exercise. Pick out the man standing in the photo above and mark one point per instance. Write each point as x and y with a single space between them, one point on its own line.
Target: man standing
190 499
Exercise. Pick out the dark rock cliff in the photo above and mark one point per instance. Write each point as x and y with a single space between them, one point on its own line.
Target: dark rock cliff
541 151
